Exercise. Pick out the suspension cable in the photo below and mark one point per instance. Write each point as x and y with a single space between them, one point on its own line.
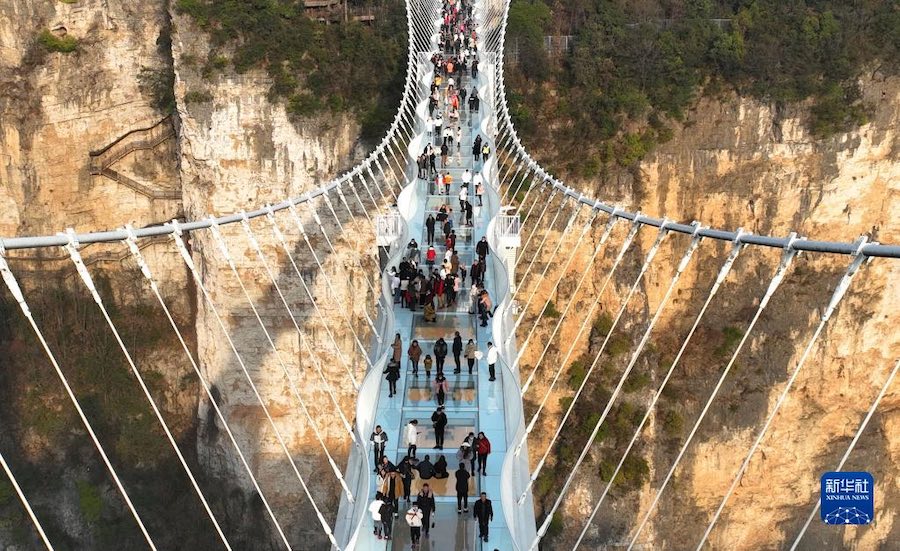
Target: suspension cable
660 236
839 292
720 278
276 230
145 270
537 252
787 257
17 294
182 249
859 431
626 244
72 249
584 231
254 244
25 503
635 227
609 227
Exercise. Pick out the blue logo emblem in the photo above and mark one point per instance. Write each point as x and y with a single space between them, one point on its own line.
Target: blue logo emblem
848 498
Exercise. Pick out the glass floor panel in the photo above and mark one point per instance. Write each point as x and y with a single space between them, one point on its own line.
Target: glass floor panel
445 326
462 393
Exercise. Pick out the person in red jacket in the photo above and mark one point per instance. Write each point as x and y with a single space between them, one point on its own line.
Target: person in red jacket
484 448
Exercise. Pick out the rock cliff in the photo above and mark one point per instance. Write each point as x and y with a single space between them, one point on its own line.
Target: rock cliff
738 163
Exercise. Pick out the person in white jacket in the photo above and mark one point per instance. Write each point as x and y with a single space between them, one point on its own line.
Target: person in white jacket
412 437
492 356
375 511
414 519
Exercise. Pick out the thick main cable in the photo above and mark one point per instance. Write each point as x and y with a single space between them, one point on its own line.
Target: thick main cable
72 249
148 275
787 257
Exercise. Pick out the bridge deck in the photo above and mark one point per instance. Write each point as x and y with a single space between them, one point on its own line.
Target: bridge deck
474 404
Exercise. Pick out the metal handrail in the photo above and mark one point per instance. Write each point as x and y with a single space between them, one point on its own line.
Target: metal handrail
801 244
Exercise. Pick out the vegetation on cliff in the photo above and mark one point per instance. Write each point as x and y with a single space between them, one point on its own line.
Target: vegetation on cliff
314 67
637 66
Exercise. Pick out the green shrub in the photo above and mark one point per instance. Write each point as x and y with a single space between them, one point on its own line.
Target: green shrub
577 373
7 492
731 336
672 423
89 500
603 324
636 382
550 310
62 44
159 84
198 96
633 473
618 345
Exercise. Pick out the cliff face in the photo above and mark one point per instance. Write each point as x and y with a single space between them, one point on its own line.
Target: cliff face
738 163
84 145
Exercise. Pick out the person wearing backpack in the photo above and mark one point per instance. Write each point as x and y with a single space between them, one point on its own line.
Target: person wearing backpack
378 438
440 353
386 512
425 499
392 372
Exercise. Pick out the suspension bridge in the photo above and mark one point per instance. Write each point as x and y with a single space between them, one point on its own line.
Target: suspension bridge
524 208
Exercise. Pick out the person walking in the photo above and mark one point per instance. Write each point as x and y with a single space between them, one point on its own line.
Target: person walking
378 439
375 511
471 349
441 388
440 351
457 348
391 488
484 512
462 489
478 182
392 372
438 126
427 363
406 471
412 437
414 520
476 148
470 445
439 419
483 445
492 356
397 347
482 249
386 513
485 152
414 352
429 228
425 499
445 152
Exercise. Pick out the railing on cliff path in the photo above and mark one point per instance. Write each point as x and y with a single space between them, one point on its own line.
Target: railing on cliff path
386 166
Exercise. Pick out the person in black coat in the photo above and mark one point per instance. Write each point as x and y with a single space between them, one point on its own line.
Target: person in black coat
392 373
387 518
484 512
440 353
462 489
440 468
457 351
425 468
429 225
425 501
481 249
439 418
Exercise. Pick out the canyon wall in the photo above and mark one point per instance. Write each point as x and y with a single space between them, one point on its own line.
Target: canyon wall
86 143
735 163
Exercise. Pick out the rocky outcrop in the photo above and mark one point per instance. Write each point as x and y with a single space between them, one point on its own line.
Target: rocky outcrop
738 163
